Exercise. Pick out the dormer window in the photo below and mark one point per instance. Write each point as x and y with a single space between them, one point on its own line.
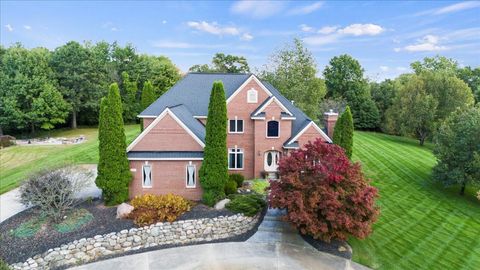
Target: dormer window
252 96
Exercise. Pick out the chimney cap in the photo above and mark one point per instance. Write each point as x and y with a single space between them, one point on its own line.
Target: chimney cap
330 113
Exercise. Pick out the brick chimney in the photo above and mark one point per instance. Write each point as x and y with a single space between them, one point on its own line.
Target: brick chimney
330 119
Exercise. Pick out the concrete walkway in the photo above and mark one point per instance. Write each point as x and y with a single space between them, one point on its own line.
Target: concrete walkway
10 201
275 246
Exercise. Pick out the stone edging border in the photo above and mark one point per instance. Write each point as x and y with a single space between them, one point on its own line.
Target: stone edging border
160 235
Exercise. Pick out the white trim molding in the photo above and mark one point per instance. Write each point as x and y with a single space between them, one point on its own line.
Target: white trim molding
276 101
252 77
147 116
155 122
171 159
307 127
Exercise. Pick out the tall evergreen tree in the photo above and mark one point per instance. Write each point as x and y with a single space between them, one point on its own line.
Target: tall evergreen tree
113 171
214 170
343 132
129 96
147 98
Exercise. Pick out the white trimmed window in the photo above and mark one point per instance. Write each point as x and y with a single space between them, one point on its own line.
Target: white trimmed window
235 158
235 125
191 175
147 176
273 129
252 96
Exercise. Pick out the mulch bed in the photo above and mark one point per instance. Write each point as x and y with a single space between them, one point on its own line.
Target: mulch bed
14 249
335 247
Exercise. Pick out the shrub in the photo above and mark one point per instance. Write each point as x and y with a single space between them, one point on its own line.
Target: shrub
231 187
326 196
4 265
6 141
52 191
210 197
30 227
238 178
214 170
149 209
74 220
249 204
260 185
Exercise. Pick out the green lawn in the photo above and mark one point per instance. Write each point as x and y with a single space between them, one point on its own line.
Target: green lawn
18 161
422 225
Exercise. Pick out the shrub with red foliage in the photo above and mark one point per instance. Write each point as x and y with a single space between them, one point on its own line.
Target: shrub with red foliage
326 196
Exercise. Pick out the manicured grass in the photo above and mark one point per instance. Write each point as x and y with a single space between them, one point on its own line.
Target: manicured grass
17 162
422 224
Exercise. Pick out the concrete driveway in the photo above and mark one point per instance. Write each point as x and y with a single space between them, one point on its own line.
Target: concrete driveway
10 201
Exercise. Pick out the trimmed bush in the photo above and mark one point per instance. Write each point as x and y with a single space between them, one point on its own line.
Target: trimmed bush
52 191
4 265
326 195
214 170
230 187
30 227
249 205
74 220
238 178
113 170
260 186
149 209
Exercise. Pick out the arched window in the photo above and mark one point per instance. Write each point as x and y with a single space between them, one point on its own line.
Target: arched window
252 96
273 129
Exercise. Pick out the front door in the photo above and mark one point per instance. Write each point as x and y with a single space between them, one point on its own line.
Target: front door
271 161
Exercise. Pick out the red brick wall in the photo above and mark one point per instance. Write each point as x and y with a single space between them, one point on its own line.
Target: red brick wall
147 122
167 177
311 134
167 135
239 107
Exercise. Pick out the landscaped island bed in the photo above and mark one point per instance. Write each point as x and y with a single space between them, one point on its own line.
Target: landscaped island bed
105 236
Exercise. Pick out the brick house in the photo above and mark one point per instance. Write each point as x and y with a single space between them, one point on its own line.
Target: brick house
263 125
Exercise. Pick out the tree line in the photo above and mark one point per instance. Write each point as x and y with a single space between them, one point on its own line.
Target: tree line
42 89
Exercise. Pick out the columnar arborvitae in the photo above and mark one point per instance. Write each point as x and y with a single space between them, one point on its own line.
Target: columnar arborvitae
214 170
147 98
343 132
113 170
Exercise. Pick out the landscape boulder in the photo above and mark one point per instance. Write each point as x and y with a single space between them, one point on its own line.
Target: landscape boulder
221 204
123 210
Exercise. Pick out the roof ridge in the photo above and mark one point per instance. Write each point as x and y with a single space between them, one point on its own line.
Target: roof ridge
219 73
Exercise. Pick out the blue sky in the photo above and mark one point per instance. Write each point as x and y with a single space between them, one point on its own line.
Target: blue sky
384 36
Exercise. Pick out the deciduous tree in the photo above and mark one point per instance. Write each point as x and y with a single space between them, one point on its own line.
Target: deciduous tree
292 70
113 170
457 149
214 170
224 63
326 196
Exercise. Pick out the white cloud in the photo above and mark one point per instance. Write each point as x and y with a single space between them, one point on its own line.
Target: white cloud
257 9
213 28
428 43
384 68
9 28
169 44
457 7
306 9
358 29
27 27
110 26
246 36
327 29
164 21
306 28
318 40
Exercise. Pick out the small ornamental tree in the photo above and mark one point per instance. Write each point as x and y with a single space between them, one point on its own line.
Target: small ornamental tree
214 170
113 171
147 98
457 149
343 132
326 196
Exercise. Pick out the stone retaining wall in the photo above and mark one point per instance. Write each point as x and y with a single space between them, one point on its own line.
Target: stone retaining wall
179 232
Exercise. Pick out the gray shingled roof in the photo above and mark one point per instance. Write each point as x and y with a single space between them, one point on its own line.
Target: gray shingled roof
164 154
190 97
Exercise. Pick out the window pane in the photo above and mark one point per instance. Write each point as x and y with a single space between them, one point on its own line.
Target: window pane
147 176
240 161
190 175
269 159
239 125
232 126
231 161
272 129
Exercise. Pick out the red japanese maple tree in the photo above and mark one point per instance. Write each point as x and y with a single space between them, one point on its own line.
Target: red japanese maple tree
326 195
